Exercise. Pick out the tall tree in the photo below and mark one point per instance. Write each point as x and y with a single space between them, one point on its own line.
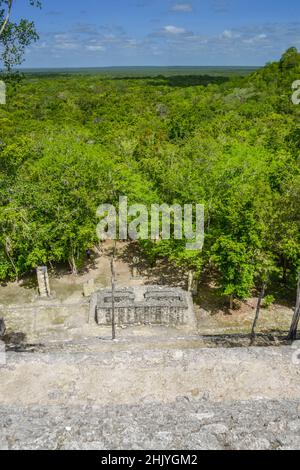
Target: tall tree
15 36
259 302
113 286
296 317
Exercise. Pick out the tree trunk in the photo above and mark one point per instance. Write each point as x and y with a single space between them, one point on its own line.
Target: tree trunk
6 19
14 266
2 327
296 317
260 299
231 302
73 266
7 251
190 280
113 276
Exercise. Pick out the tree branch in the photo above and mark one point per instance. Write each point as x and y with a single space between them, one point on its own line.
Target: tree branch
6 20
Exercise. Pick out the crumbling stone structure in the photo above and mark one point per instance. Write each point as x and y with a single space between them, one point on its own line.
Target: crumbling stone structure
43 281
143 305
2 92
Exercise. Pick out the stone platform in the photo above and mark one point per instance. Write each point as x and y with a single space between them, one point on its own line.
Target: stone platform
143 305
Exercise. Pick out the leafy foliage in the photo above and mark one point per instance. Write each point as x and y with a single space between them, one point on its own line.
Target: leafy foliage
71 142
14 37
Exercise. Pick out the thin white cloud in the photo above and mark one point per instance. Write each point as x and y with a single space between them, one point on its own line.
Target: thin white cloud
64 41
183 7
229 34
255 39
170 29
172 43
95 47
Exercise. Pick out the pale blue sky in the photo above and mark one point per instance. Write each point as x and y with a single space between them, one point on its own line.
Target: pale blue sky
97 33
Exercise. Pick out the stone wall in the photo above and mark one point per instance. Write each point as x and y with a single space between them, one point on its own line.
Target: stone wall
143 305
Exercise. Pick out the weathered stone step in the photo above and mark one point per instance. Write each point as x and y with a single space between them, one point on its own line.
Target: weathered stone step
180 424
149 375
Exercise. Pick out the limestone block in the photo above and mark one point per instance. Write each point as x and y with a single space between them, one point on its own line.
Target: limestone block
88 288
43 281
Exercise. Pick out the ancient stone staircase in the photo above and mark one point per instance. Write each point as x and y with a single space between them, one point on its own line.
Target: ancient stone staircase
97 395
